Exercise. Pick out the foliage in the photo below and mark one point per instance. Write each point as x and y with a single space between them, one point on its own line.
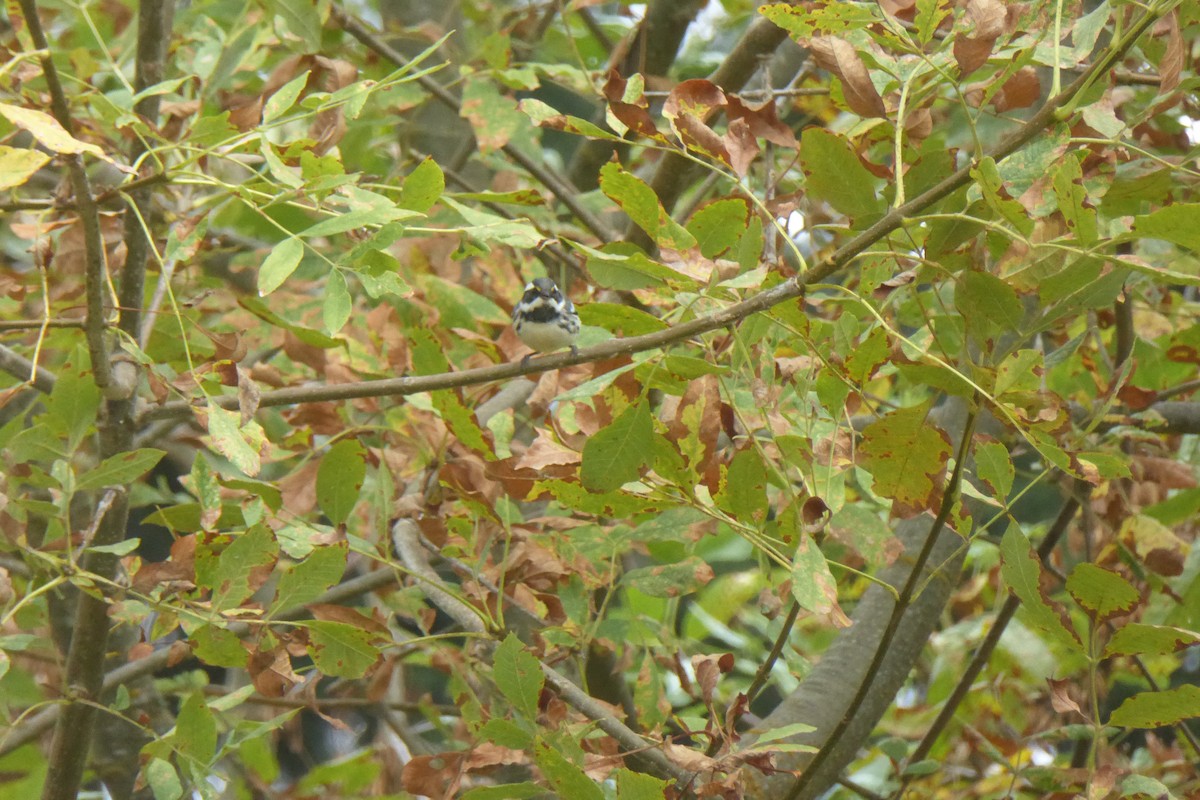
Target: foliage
946 278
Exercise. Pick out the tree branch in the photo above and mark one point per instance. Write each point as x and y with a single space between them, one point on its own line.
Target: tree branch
984 652
25 370
89 215
916 575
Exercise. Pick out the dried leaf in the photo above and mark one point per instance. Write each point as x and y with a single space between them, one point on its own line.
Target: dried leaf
839 57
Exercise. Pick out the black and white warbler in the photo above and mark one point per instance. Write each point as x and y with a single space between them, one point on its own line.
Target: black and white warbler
545 319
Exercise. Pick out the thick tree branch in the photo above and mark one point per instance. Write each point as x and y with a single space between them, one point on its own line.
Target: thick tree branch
984 652
916 575
25 370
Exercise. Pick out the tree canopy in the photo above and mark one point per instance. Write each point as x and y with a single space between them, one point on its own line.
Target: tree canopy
874 473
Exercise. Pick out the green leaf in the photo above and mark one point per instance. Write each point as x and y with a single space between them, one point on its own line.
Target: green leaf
870 355
364 209
622 265
987 178
307 580
1156 709
834 174
279 264
218 647
1178 224
121 548
494 116
618 452
423 187
1080 216
163 780
567 780
18 165
994 466
635 197
518 675
743 493
813 586
284 98
639 786
617 317
340 479
302 20
308 336
719 225
1139 639
506 733
335 312
240 569
988 305
1100 591
907 457
72 406
123 468
341 650
507 791
670 580
488 228
241 444
195 730
1022 572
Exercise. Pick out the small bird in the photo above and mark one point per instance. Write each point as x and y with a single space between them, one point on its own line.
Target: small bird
545 319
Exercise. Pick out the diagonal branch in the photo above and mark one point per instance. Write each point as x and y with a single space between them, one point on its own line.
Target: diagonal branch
731 315
950 496
980 659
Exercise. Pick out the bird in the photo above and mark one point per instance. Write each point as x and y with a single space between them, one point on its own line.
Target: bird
545 319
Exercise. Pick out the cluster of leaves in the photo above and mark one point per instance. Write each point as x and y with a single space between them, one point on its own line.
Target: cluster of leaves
326 350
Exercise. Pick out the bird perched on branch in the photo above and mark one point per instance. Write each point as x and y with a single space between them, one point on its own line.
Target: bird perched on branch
545 319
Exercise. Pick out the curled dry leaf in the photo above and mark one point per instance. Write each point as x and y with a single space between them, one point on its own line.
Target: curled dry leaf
1022 90
839 57
987 20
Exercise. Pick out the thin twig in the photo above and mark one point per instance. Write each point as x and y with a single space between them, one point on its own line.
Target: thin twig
18 735
38 324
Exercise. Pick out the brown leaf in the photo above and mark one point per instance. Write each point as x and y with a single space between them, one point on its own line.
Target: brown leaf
1020 91
918 124
987 20
271 672
763 120
697 98
433 776
348 616
741 147
815 515
1060 697
544 452
839 57
1171 65
698 136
